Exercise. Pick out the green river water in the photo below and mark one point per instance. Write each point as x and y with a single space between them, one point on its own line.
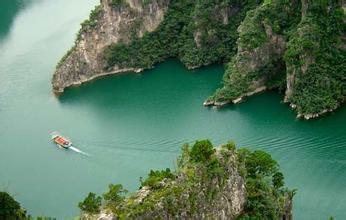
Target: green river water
136 122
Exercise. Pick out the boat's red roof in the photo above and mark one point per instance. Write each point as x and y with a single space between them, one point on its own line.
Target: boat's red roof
60 140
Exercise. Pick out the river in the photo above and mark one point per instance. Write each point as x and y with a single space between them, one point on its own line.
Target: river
129 124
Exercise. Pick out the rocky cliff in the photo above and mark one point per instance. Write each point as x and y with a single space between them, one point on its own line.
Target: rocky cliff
110 22
295 46
133 35
208 184
315 60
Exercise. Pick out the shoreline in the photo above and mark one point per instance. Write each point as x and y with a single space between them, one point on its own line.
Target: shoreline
59 91
299 115
220 104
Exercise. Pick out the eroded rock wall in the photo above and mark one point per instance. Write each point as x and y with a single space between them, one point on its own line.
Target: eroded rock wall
108 23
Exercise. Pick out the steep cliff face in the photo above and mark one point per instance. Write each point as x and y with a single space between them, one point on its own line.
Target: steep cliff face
133 35
110 22
315 60
196 32
297 46
199 197
208 184
258 64
258 60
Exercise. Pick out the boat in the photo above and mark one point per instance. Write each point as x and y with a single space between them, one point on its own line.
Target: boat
61 141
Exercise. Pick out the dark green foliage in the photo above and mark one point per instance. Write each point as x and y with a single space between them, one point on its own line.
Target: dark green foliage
200 165
117 3
146 2
214 168
199 182
278 180
234 86
316 54
115 195
93 18
261 202
91 204
275 74
152 47
201 151
91 22
281 15
253 34
10 208
155 177
184 22
258 163
230 146
203 32
278 16
264 185
237 84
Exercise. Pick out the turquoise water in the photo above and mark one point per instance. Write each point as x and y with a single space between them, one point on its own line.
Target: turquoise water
132 123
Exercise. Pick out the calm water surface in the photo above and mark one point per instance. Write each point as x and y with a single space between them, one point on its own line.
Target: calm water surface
132 123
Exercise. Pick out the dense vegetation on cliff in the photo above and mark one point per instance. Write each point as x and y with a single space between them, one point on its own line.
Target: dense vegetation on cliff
311 38
261 45
316 56
196 32
208 183
10 209
295 46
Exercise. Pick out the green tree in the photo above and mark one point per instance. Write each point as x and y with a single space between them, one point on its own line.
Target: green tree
10 208
278 180
229 146
262 195
114 196
156 176
201 151
91 204
260 163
